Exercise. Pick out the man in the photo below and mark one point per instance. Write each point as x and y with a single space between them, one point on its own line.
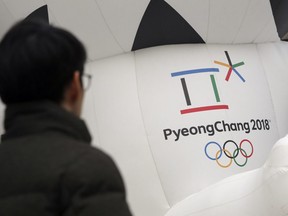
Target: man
47 166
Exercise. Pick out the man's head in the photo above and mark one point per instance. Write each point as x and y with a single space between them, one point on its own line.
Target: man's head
41 62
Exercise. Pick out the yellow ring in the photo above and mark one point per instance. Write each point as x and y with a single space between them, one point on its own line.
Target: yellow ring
224 166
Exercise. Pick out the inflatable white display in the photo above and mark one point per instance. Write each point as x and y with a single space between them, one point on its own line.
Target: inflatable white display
191 126
180 118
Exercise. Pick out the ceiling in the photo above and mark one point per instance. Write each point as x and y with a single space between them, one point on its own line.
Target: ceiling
112 27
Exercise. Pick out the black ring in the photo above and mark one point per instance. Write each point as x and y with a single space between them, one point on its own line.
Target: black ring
237 148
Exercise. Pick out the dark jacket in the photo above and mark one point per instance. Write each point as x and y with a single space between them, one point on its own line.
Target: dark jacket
48 167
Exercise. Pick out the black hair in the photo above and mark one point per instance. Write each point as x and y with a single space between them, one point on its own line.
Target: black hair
37 62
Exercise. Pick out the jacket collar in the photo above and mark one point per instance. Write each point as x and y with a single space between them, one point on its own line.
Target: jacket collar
37 117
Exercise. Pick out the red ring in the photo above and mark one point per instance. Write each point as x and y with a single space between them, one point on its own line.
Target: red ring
247 156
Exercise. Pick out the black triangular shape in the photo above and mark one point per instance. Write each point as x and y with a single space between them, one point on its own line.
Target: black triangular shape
39 14
161 25
279 8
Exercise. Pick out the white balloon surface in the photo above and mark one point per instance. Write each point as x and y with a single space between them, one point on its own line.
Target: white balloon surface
172 151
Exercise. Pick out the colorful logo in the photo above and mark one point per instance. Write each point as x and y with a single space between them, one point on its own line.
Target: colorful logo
231 155
231 67
218 105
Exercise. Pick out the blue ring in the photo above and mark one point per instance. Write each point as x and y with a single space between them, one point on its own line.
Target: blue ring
219 148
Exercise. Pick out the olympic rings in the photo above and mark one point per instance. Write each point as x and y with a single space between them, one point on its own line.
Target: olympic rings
228 154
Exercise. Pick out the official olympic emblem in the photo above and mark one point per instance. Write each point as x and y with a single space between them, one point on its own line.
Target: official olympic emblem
228 154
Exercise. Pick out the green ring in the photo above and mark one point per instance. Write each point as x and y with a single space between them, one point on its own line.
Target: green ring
241 165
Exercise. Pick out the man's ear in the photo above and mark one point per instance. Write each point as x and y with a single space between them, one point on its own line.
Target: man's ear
74 89
73 94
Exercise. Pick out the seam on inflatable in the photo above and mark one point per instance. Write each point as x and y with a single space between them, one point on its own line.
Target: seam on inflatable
242 21
266 23
108 27
96 127
11 14
219 88
52 13
142 118
268 84
208 25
